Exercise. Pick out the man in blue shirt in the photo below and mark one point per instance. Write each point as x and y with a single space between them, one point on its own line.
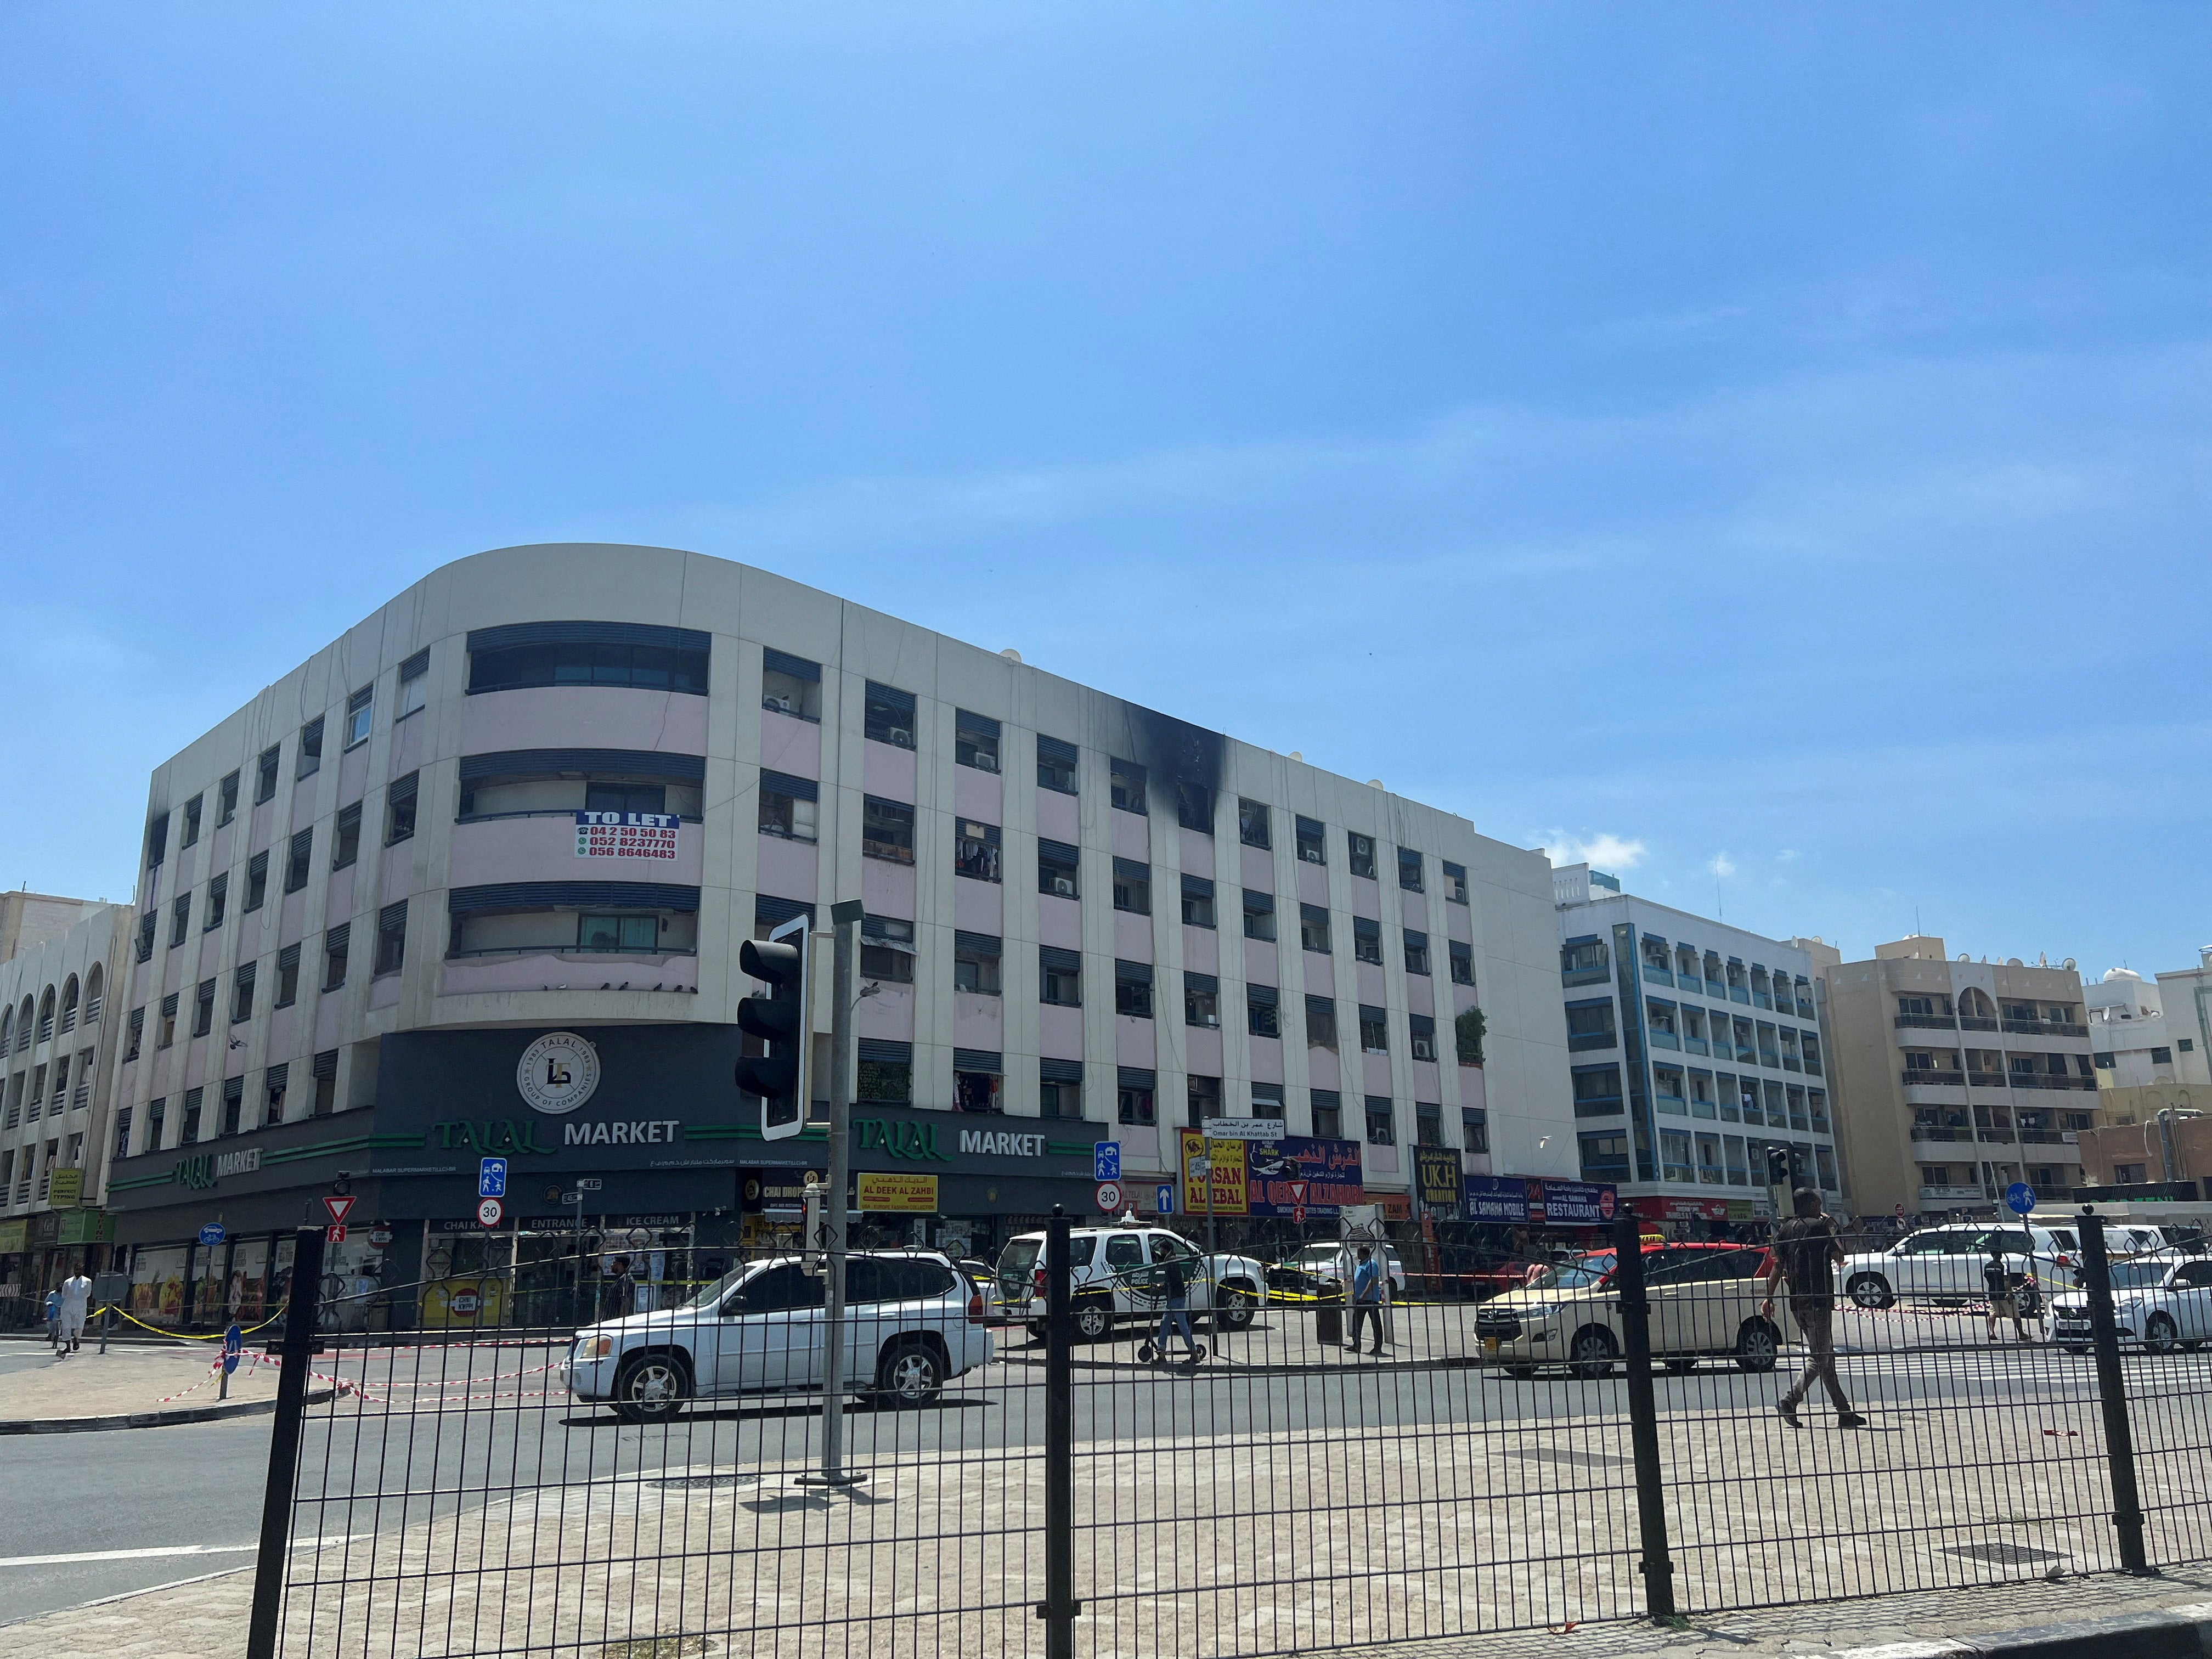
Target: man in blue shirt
1367 1299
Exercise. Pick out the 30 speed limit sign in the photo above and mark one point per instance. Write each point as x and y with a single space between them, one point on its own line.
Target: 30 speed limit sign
1109 1196
489 1212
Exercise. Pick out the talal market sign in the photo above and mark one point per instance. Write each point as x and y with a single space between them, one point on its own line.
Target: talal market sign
204 1171
504 1137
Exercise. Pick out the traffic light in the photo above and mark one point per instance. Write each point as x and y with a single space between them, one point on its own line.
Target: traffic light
1777 1166
778 1020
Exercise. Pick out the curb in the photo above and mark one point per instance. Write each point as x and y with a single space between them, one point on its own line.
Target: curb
2165 1634
153 1419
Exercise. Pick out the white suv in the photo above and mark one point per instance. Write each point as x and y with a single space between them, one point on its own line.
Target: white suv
1113 1270
1948 1262
2164 1303
911 1320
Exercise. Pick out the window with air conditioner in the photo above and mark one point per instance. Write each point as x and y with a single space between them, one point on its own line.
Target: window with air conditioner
1058 865
888 715
974 741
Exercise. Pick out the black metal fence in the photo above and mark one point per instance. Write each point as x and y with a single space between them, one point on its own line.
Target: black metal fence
1606 1440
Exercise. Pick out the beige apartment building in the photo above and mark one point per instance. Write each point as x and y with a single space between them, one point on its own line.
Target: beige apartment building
1957 1078
2150 1134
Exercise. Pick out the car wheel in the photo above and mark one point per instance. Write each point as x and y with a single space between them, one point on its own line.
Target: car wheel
1680 1367
1871 1290
1093 1320
649 1387
1592 1353
910 1375
2160 1334
1756 1345
1236 1309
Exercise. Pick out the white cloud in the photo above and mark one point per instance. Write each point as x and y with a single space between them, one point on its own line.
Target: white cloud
1787 855
1610 853
1720 865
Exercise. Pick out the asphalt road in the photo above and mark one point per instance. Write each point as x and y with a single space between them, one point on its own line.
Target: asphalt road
441 1430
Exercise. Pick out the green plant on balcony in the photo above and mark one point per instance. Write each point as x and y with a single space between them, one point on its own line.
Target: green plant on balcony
1467 1032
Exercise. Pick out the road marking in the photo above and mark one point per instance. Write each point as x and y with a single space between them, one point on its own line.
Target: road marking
159 1553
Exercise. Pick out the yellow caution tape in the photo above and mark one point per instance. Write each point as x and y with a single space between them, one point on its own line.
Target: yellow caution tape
187 1336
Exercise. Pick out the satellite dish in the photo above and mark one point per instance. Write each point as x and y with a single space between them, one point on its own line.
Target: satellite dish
2069 963
2015 962
1965 956
1011 655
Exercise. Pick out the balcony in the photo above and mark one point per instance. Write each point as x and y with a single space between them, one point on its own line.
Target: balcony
1934 1077
1805 1010
2043 1028
1976 1022
1657 975
2043 1138
1579 1041
1995 1137
1926 1023
1952 1194
1987 1079
1695 1045
2050 1080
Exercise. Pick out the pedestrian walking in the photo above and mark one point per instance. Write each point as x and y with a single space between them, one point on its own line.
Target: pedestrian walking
1367 1299
1174 1281
54 1320
1806 1254
76 1303
2002 1286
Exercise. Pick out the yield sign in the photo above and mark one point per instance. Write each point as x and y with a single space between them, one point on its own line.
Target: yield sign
1298 1191
340 1207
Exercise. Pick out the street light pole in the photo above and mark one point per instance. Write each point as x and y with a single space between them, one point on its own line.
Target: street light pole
846 918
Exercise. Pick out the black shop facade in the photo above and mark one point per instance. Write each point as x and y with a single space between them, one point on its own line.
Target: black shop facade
634 1171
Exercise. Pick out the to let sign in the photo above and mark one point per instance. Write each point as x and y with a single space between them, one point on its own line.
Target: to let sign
626 835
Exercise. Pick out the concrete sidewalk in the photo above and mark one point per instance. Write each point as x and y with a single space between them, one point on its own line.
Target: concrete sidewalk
134 1387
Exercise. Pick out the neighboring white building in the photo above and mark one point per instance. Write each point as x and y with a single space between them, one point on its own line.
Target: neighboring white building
2185 996
1694 1047
367 895
2128 1031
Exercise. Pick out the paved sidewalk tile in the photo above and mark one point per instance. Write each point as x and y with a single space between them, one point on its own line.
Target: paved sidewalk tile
123 1381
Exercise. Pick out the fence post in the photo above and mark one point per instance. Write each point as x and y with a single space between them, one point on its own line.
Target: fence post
1656 1565
1059 1607
2113 1394
302 1304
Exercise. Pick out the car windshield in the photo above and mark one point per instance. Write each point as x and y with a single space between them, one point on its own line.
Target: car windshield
2139 1275
1574 1275
1316 1255
1018 1257
712 1295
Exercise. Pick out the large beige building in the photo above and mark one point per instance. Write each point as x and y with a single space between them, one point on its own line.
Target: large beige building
29 920
1957 1078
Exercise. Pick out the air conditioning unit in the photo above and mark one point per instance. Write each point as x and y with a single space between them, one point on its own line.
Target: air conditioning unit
1063 886
901 736
987 762
781 704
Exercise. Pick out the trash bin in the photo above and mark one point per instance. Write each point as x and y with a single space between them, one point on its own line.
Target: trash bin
1329 1321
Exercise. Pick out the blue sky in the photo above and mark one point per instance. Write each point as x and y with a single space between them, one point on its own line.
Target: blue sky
1767 445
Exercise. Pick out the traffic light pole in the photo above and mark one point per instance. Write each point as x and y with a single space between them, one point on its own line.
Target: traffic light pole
847 919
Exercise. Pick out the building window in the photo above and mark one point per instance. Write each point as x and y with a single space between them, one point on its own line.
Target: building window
347 846
265 773
1134 1099
257 881
137 1034
399 808
272 1093
1367 940
1382 1131
1361 854
311 750
1313 842
1201 1000
1589 1024
620 932
234 1104
123 1133
2187 1045
1473 1129
976 964
1132 989
1059 1094
887 949
391 938
1328 1114
1194 806
1197 901
192 831
1417 951
1455 882
148 926
1462 963
414 684
1313 928
886 831
1127 782
1203 1096
297 865
157 839
1262 1011
288 976
974 741
1321 1023
180 920
1057 869
326 1083
1056 764
1424 1032
1060 976
787 806
191 1133
1409 870
791 685
2161 1056
976 850
1132 887
360 708
204 1009
888 715
639 657
169 1028
226 799
886 1072
1605 1157
1374 1030
335 945
1428 1125
975 1081
242 994
1252 826
218 901
1259 914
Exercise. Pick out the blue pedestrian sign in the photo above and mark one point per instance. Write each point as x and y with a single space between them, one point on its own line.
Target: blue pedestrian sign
491 1178
1164 1197
2019 1198
234 1346
213 1233
1106 1160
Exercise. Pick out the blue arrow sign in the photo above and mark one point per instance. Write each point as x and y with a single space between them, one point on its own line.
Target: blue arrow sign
491 1178
1106 1160
1163 1198
233 1344
2019 1198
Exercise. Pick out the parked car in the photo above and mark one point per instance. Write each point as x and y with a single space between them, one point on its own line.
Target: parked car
1946 1263
911 1321
1113 1269
1705 1302
2164 1303
985 1278
1324 1268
